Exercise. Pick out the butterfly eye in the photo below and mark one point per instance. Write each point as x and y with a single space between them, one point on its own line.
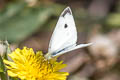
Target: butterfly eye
65 26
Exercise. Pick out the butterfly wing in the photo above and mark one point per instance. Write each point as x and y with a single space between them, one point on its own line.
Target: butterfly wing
73 48
64 34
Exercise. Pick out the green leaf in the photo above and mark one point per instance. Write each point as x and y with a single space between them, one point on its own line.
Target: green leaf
3 74
2 68
18 21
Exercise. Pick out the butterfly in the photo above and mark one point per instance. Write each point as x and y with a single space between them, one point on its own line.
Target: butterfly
64 36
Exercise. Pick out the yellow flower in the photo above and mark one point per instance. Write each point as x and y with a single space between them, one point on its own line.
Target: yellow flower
28 65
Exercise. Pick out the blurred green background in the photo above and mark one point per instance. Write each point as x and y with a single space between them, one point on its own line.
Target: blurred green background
31 22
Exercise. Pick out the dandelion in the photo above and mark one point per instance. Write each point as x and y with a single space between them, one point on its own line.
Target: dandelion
28 65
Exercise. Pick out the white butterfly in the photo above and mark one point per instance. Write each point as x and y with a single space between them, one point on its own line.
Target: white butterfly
64 37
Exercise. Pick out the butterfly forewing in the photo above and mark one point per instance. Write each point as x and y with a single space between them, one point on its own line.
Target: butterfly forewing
65 33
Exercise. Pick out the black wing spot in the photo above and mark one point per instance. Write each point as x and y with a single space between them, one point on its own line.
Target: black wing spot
65 26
